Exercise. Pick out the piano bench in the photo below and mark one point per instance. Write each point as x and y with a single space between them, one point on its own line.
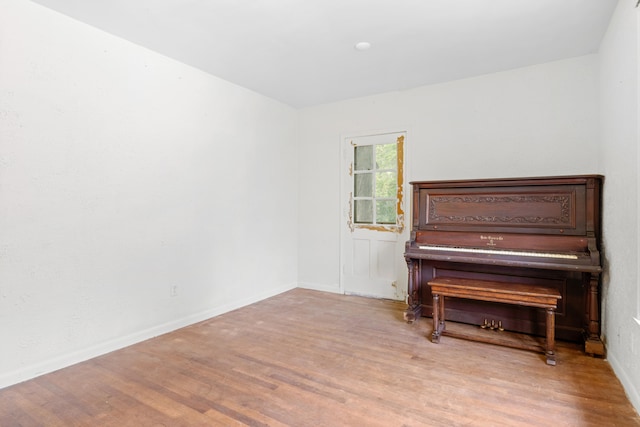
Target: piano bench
486 290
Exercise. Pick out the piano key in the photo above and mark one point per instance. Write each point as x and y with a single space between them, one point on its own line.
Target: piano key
498 252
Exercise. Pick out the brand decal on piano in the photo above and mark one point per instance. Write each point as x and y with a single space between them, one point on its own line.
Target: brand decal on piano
492 239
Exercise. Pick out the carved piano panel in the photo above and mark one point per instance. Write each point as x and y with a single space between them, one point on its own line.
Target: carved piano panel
531 230
498 207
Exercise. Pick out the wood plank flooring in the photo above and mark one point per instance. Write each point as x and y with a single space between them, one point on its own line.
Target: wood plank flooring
307 358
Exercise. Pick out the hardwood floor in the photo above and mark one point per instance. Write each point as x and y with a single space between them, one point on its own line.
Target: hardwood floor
306 358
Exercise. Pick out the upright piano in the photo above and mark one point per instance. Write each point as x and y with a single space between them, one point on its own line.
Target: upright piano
542 230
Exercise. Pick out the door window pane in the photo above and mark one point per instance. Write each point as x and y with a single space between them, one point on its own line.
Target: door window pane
386 156
363 185
363 212
386 184
363 157
386 211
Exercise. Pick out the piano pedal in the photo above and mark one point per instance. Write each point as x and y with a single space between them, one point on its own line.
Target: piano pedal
492 326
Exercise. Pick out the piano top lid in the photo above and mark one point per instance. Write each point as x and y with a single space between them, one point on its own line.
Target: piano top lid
538 180
544 205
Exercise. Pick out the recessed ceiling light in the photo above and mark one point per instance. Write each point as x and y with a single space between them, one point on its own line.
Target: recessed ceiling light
362 45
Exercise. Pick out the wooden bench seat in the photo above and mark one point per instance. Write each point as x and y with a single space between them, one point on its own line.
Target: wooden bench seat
502 292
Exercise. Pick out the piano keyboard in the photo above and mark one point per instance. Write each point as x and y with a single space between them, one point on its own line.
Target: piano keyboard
498 252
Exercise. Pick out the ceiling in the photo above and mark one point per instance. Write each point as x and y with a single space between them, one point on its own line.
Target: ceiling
301 52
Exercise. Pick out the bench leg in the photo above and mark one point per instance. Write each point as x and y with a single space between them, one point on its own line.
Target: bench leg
551 330
438 318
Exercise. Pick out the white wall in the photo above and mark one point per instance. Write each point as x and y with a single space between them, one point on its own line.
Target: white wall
123 173
535 121
619 59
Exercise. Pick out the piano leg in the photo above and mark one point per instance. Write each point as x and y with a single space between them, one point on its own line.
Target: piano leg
414 304
592 343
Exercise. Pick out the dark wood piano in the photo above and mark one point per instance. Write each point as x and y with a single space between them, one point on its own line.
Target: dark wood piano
543 231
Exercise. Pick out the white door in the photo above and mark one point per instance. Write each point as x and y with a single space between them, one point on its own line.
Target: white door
373 232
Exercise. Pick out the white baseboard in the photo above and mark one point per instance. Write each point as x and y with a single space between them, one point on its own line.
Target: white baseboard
65 360
321 287
629 387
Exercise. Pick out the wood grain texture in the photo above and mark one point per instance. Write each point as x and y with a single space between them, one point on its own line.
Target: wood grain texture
307 358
